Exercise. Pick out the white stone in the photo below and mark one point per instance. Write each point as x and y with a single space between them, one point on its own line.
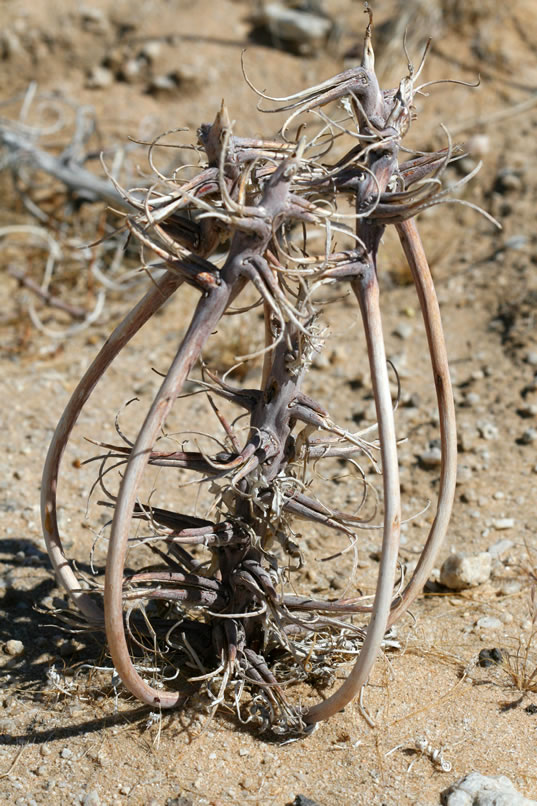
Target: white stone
464 474
403 330
500 547
151 50
99 78
462 570
483 790
510 587
489 623
431 458
478 145
14 647
503 523
488 430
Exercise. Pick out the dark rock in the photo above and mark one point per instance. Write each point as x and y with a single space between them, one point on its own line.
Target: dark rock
490 657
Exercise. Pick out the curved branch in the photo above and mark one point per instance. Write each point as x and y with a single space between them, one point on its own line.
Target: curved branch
206 317
366 289
412 246
123 333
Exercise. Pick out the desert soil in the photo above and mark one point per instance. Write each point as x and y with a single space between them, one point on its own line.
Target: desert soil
67 735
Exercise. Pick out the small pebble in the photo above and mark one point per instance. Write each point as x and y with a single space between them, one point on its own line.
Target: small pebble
500 547
431 458
487 430
66 753
472 399
516 242
92 15
478 145
99 78
510 587
531 358
528 437
150 50
14 647
163 84
294 29
489 623
403 330
500 524
302 800
529 410
91 798
460 570
507 181
467 442
469 496
132 70
464 474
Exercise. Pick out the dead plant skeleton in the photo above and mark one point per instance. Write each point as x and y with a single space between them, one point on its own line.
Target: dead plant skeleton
218 598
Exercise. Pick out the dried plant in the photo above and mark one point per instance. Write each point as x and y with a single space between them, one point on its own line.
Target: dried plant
218 598
519 666
56 186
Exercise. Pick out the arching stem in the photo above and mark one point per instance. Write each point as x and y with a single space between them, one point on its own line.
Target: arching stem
421 273
365 287
123 333
206 317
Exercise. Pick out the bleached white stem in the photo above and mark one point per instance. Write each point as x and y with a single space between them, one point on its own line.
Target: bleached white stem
421 273
367 292
132 323
205 319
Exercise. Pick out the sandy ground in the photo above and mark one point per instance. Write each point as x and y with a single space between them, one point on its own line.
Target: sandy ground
72 738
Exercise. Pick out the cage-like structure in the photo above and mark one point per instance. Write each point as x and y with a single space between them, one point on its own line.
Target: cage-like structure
218 593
